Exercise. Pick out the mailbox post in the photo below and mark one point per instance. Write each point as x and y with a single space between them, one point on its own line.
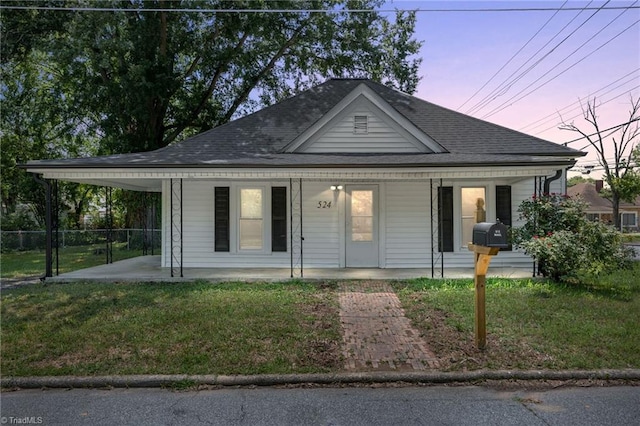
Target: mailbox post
488 239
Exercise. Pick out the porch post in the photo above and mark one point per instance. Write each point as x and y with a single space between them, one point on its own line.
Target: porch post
441 235
55 221
144 224
537 192
295 228
176 226
154 200
109 224
436 229
433 254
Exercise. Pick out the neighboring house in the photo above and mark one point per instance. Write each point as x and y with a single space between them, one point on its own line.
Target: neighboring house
349 173
600 208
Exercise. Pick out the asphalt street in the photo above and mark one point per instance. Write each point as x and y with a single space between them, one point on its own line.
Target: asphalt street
434 405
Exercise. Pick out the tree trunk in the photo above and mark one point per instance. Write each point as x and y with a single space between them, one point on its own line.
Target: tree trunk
615 203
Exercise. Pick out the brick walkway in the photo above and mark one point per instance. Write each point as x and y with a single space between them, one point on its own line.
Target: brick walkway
376 333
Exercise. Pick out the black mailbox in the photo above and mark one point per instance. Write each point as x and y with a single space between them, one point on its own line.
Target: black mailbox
490 235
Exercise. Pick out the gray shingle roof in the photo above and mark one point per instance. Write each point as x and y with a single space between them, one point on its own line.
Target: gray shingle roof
258 139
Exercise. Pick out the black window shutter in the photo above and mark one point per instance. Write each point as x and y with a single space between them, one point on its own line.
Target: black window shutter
445 207
279 218
221 212
503 206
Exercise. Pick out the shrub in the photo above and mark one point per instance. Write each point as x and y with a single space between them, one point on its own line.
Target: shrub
559 254
21 220
549 213
564 243
605 249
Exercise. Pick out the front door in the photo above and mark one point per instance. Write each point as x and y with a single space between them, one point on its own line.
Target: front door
362 226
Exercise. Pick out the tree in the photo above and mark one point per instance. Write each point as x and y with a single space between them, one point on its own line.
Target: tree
36 123
146 76
620 172
148 73
574 180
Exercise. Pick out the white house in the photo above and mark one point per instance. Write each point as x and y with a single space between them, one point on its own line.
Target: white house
349 173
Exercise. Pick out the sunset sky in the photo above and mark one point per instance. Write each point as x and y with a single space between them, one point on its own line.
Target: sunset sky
462 51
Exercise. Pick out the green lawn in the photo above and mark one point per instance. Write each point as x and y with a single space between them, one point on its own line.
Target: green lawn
186 328
531 324
631 238
29 263
294 327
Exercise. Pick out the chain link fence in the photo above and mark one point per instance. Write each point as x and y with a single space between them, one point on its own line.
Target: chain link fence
133 239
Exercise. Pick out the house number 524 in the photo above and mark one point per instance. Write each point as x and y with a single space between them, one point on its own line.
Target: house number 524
324 204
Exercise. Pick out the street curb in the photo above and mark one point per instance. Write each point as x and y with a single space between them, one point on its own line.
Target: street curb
182 380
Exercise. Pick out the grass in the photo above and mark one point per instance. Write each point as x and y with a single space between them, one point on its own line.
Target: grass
531 324
186 328
29 263
631 237
294 327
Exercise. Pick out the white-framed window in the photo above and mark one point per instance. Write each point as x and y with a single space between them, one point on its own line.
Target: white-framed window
593 217
250 218
628 220
472 211
251 229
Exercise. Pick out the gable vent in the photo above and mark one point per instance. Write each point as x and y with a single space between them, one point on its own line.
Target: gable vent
360 124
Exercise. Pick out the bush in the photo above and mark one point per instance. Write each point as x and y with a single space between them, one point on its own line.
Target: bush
549 213
558 254
565 244
605 249
21 220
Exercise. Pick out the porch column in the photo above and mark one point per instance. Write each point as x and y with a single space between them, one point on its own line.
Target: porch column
295 225
109 224
55 221
176 227
437 256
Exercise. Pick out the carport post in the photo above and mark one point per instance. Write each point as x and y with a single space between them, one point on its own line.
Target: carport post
483 257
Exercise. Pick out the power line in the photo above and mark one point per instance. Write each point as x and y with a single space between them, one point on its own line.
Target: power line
499 108
249 10
504 87
604 130
504 105
512 57
546 117
595 162
602 103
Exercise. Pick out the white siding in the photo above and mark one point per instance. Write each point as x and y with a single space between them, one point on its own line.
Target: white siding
407 230
404 211
383 135
321 226
198 230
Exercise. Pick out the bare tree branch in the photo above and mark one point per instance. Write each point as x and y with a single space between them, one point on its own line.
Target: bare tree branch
620 175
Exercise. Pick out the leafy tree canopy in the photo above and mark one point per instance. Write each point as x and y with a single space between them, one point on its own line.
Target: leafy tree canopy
574 180
148 73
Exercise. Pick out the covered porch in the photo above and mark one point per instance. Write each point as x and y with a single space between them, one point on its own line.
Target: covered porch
149 269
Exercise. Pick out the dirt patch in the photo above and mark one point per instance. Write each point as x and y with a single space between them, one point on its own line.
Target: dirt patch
321 313
456 349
